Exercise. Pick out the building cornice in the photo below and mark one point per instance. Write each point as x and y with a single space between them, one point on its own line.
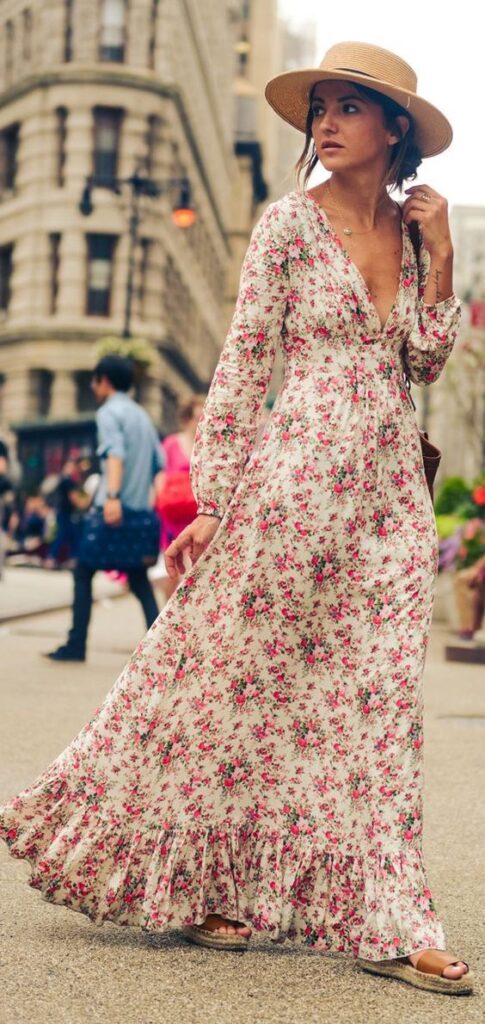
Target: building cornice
165 346
97 74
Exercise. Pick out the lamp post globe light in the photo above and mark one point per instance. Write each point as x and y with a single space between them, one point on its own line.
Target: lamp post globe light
183 215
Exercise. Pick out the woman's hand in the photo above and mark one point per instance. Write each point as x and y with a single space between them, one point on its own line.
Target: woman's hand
113 511
194 539
431 211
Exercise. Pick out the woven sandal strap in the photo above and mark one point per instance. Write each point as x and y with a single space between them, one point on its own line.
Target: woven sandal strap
434 961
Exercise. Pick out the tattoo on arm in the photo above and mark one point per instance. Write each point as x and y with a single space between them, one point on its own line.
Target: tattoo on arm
437 281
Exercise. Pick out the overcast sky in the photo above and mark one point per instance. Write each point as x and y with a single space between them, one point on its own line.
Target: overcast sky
445 44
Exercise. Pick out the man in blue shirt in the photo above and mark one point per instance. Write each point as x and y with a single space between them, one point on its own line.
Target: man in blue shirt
131 456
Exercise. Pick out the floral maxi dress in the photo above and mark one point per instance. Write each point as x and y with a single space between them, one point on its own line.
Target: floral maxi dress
260 755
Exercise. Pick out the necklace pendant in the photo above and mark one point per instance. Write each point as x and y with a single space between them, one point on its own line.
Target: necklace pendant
347 231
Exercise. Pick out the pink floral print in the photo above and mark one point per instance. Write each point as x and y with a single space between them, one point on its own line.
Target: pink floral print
260 755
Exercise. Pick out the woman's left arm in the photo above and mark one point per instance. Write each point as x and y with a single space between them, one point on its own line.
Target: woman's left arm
431 343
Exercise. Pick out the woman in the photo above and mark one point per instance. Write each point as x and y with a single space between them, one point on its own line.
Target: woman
174 499
258 762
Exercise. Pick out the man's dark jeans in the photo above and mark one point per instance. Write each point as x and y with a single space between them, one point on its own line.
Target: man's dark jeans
139 585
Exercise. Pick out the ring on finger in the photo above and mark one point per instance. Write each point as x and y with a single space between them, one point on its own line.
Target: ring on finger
424 196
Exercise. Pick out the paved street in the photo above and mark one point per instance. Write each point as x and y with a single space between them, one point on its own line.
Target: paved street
59 969
28 591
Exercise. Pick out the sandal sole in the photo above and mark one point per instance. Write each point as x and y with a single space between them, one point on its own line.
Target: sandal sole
419 979
215 940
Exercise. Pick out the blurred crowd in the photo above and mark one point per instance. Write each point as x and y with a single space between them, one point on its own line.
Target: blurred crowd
43 529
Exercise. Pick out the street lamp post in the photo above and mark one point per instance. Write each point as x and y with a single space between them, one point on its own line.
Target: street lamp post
183 215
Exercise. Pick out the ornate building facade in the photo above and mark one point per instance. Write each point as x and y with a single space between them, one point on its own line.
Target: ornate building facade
105 87
453 409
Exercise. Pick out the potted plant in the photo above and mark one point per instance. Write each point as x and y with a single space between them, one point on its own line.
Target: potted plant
460 523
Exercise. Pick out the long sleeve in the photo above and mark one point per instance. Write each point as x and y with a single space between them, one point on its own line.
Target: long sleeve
426 350
229 422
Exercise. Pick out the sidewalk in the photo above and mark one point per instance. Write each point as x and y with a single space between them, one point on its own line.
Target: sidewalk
60 969
25 591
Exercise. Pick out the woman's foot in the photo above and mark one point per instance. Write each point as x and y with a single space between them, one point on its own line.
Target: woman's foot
219 933
453 971
223 926
431 969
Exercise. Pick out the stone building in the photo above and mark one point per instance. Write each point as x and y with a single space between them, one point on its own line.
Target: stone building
453 409
104 87
298 50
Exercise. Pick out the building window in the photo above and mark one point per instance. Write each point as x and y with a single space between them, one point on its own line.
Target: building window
61 118
6 252
9 144
113 24
243 49
85 400
68 5
170 410
54 253
145 251
41 390
9 45
152 39
27 34
100 264
153 138
107 128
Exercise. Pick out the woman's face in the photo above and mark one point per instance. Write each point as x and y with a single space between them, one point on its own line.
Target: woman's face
349 130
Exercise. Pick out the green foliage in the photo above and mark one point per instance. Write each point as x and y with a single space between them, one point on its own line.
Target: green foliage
453 495
138 350
446 525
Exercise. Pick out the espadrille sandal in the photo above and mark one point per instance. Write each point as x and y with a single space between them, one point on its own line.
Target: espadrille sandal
215 939
428 973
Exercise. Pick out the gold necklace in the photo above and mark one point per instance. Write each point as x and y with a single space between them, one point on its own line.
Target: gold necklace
346 230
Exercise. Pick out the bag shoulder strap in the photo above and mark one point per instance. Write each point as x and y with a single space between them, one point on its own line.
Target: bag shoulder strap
415 237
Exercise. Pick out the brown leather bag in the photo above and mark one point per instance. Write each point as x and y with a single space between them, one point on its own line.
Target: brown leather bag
431 460
431 454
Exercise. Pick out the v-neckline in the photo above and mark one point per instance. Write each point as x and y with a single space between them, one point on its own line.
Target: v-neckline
358 273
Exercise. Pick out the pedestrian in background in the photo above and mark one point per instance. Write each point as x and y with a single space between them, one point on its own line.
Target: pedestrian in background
129 450
175 502
259 762
29 532
6 501
70 501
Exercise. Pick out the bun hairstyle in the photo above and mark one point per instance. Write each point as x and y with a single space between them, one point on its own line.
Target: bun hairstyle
406 155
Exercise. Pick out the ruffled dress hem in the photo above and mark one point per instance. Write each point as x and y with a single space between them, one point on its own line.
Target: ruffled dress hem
287 886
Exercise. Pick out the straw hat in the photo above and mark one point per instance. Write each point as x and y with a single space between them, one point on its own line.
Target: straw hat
368 65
